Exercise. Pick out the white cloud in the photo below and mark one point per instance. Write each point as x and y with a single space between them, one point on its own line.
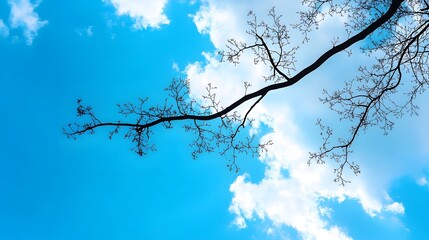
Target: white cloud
283 202
216 21
396 208
422 181
145 13
22 15
223 20
4 30
296 200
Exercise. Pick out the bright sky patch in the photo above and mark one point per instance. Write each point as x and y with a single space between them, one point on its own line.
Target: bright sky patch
51 187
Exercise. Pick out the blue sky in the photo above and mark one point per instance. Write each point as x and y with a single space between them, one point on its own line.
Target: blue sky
108 52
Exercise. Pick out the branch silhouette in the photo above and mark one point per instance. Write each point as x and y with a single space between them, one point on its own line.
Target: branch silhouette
262 92
365 105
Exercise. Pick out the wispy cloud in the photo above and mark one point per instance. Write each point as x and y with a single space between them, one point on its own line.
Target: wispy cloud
422 181
396 207
294 200
22 15
175 67
145 13
88 31
4 30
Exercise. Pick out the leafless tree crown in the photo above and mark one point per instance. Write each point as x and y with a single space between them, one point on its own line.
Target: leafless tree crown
396 37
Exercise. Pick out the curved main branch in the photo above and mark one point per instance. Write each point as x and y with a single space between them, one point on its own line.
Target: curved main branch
263 91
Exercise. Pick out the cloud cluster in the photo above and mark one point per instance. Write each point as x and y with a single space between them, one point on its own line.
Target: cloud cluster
145 13
294 199
22 15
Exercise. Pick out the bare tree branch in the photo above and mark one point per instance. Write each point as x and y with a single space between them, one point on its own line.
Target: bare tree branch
393 30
